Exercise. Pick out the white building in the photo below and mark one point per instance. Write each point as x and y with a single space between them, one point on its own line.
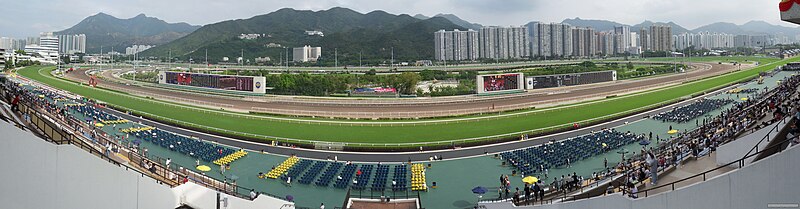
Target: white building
6 43
550 40
487 43
306 54
622 39
72 44
47 49
584 41
315 33
456 45
503 43
135 49
704 40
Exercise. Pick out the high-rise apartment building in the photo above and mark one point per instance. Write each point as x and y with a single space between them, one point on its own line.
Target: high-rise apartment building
6 43
456 45
71 44
704 40
550 40
660 38
306 54
487 43
584 42
742 41
622 39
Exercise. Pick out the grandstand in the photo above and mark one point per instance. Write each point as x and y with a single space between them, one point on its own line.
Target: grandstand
330 181
693 111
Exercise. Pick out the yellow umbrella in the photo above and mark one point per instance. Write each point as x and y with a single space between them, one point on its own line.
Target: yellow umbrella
605 145
672 131
745 99
530 180
99 125
204 168
41 96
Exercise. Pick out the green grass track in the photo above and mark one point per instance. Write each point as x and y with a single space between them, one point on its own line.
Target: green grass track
397 134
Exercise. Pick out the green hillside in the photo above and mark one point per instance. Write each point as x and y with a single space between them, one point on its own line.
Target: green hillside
373 34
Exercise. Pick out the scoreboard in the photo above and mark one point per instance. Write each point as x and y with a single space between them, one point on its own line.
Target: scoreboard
500 82
213 81
573 79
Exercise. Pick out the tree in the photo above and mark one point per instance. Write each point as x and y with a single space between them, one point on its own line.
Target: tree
630 66
405 83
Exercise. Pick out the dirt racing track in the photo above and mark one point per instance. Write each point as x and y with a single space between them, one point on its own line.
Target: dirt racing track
408 108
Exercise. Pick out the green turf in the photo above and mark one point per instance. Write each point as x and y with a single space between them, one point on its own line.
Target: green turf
395 134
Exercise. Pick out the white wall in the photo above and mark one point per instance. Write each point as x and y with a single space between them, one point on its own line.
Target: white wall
37 174
770 180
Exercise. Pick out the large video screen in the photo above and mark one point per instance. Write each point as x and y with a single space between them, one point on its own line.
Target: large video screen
225 82
500 82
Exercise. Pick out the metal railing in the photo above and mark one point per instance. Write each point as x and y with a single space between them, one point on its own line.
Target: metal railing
48 125
566 198
310 143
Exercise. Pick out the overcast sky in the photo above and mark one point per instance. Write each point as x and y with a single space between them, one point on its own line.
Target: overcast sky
21 18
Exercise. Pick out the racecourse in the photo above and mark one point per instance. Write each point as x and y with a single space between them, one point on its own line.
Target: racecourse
377 133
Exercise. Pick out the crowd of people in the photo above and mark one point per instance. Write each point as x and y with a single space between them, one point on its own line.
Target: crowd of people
761 110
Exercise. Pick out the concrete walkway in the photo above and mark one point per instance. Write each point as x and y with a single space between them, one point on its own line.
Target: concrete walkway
685 170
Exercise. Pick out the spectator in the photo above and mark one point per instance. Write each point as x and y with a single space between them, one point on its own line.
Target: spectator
15 103
253 194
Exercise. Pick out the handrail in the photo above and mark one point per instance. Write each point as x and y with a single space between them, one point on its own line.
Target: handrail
160 171
672 184
740 161
766 137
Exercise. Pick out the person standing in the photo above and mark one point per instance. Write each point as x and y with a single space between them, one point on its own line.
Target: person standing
15 103
322 206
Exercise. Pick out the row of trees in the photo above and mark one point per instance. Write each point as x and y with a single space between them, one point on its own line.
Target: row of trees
324 85
10 63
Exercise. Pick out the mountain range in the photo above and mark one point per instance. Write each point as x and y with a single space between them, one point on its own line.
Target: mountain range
108 31
374 35
454 19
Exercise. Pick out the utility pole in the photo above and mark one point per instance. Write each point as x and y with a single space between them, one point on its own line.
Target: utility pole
391 65
169 65
336 57
359 58
287 58
112 56
134 64
101 58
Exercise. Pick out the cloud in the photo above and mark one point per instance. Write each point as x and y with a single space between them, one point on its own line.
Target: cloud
61 14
